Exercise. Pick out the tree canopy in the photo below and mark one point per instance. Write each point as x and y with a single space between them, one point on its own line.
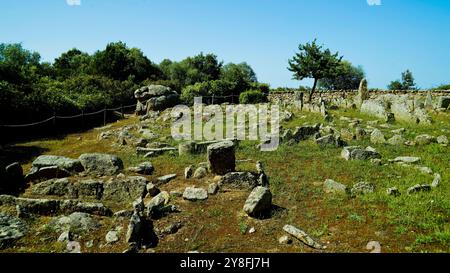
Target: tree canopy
347 77
407 82
315 62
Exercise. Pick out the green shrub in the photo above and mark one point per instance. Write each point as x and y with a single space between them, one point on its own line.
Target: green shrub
252 97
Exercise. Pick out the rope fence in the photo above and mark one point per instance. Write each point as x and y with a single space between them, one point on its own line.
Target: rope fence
104 111
82 115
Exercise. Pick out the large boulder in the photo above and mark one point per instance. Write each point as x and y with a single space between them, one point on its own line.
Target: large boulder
11 229
443 102
155 98
258 202
71 165
130 188
56 187
101 164
221 157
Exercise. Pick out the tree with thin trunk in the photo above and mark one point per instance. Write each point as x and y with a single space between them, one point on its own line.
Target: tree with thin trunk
314 62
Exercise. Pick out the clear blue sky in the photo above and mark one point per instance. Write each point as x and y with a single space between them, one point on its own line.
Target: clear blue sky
385 39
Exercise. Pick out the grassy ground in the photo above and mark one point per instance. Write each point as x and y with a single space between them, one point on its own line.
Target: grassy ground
416 223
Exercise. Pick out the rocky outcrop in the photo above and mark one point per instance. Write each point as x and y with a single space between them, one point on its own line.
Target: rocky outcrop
155 98
101 164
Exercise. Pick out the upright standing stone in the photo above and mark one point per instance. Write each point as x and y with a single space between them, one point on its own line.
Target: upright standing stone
363 90
429 100
221 157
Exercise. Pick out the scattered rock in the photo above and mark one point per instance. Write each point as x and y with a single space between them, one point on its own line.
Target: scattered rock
425 139
357 153
112 237
377 137
145 168
285 240
436 181
213 188
71 165
200 173
443 140
130 188
221 157
331 186
152 190
396 140
239 180
65 237
101 164
258 202
11 229
195 194
302 236
406 159
188 172
166 179
419 188
393 192
77 223
330 140
362 188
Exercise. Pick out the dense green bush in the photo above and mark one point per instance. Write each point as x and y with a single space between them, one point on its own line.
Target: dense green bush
76 81
252 97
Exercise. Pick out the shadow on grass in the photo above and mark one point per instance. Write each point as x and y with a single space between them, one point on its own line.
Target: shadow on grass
11 153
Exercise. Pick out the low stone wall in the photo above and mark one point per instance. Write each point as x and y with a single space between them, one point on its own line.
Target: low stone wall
336 94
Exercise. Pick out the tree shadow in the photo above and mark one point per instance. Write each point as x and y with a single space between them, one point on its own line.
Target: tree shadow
13 153
269 214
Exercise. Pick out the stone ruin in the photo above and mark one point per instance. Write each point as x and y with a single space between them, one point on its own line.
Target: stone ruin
155 98
408 106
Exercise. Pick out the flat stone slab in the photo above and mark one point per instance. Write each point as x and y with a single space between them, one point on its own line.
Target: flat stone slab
406 159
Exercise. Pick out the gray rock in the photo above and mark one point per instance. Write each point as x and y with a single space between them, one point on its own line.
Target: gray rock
166 178
393 191
157 203
221 157
11 229
213 188
377 137
46 173
77 223
152 190
112 237
200 173
331 186
305 132
362 188
155 98
145 168
425 139
443 102
57 187
65 237
101 164
258 202
357 153
419 188
195 194
302 236
437 180
130 188
396 140
188 172
442 140
122 214
407 159
239 180
330 140
285 240
71 165
87 189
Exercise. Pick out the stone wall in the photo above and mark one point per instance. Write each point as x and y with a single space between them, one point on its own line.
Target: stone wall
330 95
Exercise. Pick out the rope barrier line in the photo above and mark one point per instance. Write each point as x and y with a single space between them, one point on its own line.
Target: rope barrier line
64 117
93 113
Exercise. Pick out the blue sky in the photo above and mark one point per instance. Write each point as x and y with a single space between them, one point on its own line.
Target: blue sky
385 39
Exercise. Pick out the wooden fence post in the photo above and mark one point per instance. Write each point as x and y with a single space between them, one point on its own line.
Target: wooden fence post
104 117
